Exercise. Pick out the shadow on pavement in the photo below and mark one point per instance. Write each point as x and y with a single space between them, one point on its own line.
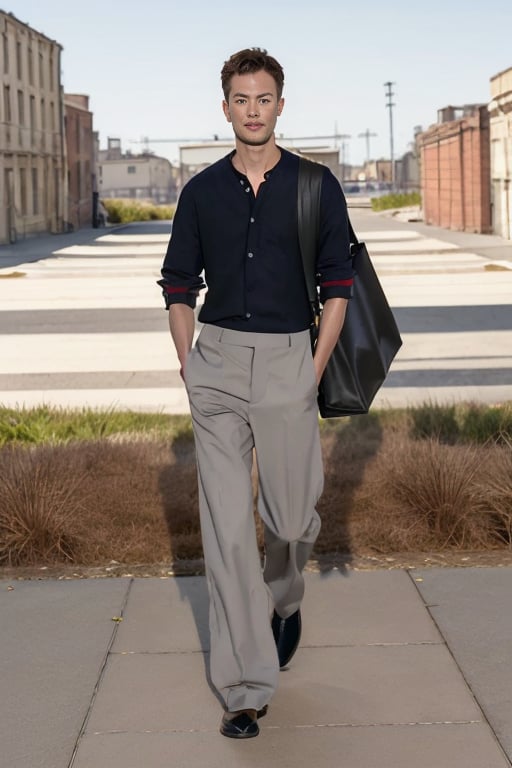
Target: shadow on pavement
348 446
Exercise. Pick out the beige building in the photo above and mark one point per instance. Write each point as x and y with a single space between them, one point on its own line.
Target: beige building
500 109
32 160
144 176
194 157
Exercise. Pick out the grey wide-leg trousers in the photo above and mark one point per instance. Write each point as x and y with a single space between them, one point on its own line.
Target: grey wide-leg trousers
253 390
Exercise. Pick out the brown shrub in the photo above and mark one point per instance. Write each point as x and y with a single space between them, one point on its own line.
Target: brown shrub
136 501
143 502
90 503
498 490
437 493
40 506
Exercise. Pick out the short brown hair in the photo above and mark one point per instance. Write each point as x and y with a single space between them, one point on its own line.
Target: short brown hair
246 62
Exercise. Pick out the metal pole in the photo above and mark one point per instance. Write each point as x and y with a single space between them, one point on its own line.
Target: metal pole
390 105
367 135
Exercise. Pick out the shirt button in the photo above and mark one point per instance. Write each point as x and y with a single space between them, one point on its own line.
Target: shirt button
242 182
247 189
247 314
250 254
251 220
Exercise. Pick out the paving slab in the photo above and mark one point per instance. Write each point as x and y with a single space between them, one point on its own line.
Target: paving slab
356 686
360 610
165 615
432 746
54 637
373 685
354 608
473 609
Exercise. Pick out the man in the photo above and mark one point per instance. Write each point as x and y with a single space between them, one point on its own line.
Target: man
252 381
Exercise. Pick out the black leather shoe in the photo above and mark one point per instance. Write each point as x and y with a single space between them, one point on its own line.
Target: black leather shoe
243 726
287 636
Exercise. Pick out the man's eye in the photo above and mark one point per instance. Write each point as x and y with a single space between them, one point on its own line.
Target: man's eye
264 101
239 101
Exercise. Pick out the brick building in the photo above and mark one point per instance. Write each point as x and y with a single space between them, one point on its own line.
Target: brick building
455 163
80 160
32 153
500 110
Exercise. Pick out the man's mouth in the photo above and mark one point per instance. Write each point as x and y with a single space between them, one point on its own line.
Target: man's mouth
253 126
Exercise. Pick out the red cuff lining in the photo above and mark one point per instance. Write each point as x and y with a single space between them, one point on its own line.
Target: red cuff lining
330 283
179 289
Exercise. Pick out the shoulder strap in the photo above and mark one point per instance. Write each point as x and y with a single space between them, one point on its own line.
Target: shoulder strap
308 211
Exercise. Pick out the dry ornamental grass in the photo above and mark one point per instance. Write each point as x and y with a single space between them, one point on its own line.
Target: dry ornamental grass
133 498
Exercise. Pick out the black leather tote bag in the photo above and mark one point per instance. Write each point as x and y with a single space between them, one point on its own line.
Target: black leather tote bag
370 338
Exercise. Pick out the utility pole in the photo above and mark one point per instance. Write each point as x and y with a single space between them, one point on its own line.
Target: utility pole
341 136
367 135
344 147
390 105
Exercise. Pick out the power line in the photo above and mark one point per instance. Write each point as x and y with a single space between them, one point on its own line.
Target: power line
146 140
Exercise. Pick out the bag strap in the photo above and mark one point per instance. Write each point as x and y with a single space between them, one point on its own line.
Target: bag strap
308 211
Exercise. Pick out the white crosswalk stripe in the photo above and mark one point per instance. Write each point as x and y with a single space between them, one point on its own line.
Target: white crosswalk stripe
58 344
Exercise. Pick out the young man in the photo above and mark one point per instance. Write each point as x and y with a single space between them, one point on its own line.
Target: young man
252 381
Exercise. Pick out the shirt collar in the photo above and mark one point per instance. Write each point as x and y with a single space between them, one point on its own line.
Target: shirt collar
268 174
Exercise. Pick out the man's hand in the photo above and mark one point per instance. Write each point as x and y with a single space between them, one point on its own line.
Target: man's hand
333 317
182 325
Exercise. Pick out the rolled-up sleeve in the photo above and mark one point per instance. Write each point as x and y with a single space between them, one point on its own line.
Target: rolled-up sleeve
334 263
183 264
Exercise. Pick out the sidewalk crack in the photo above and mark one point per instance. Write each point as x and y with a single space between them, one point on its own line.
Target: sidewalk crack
100 676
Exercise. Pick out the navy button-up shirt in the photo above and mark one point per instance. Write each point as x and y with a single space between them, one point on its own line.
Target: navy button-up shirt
247 248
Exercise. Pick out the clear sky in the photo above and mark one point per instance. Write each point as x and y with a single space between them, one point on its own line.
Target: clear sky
152 68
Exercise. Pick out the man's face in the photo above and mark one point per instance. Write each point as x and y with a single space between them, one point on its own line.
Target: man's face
253 107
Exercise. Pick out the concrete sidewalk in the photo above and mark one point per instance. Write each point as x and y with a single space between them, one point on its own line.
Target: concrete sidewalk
396 669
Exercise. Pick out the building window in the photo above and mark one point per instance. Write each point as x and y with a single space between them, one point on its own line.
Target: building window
30 66
41 70
43 115
52 113
52 80
35 195
132 169
21 108
7 104
6 53
33 113
23 191
18 60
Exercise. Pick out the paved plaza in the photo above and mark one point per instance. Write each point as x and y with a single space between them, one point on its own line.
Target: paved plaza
85 325
397 669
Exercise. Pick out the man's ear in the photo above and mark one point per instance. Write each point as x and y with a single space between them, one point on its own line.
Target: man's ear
225 109
280 105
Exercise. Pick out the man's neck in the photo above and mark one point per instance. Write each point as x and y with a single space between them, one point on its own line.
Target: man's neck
256 160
